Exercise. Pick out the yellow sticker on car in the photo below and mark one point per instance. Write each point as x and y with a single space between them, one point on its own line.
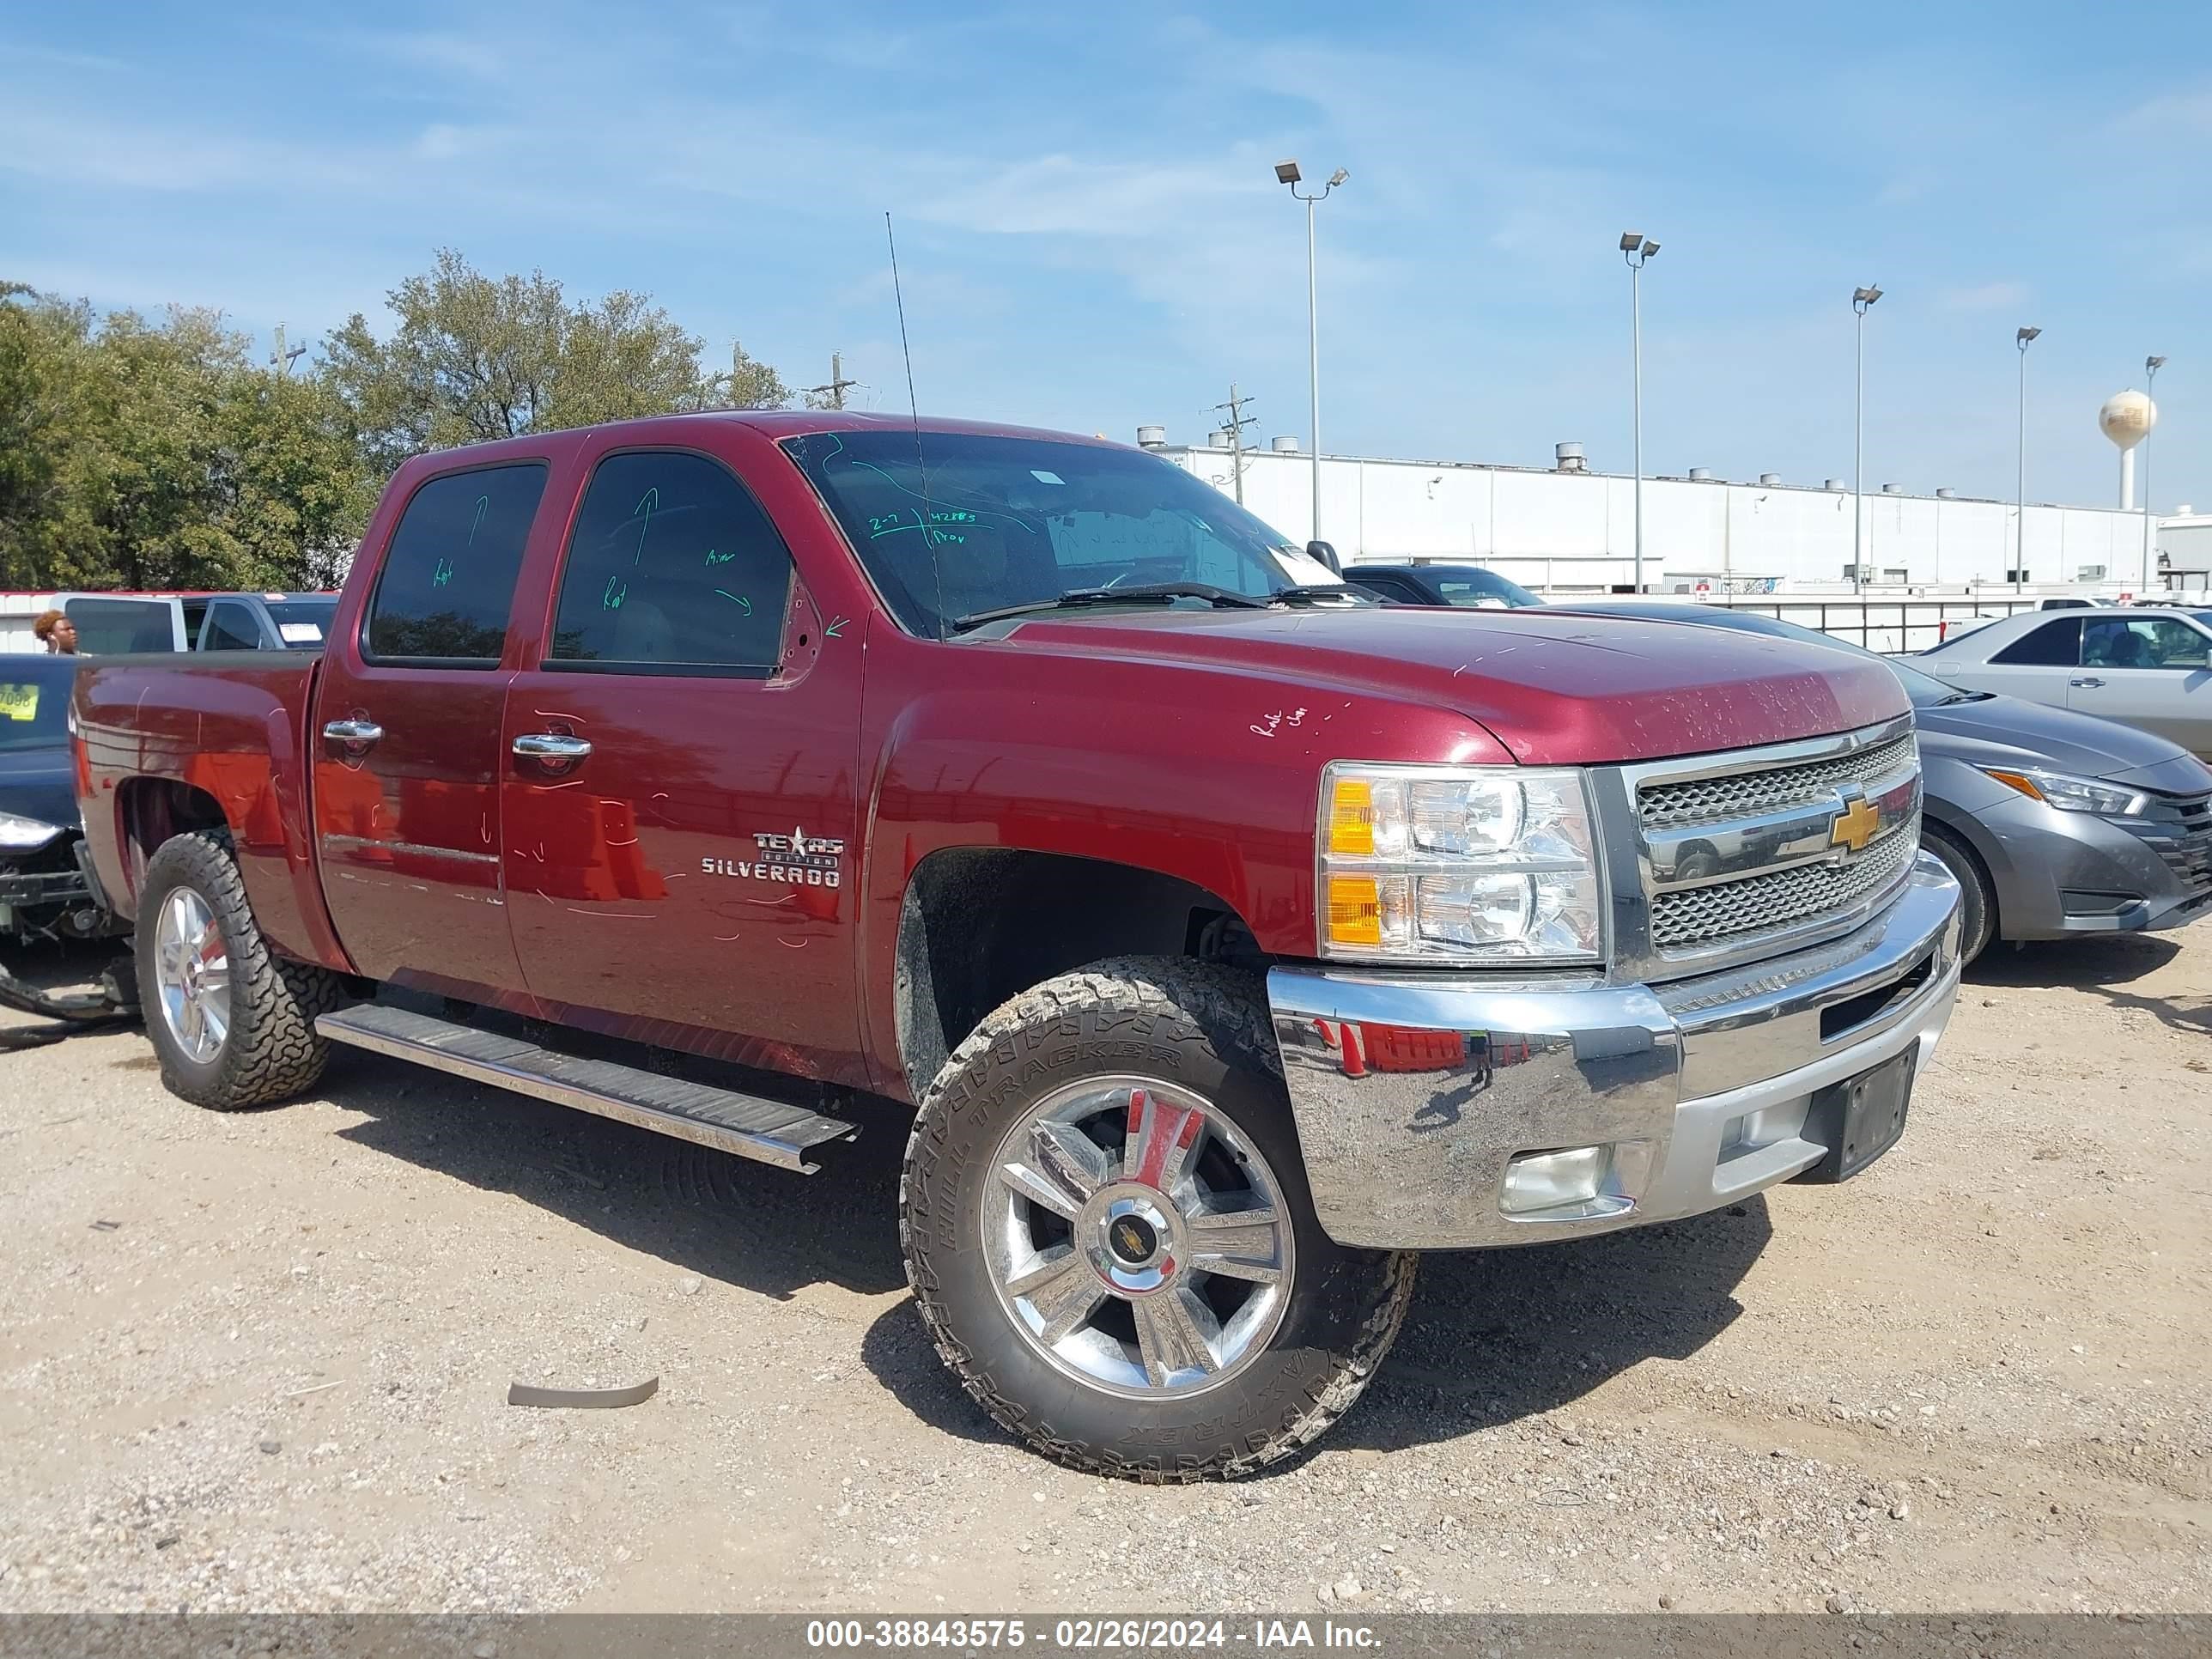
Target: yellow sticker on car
18 702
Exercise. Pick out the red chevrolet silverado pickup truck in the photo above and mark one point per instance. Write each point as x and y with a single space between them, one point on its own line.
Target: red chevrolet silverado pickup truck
1226 936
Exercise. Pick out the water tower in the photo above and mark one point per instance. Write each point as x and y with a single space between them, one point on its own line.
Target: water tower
2127 418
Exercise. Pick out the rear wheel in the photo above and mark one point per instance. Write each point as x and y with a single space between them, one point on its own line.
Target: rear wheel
1106 1227
232 1023
1978 899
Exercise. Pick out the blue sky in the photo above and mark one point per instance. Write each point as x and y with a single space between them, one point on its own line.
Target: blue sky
1091 237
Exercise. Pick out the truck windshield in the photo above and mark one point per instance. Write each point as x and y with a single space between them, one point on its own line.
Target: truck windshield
983 523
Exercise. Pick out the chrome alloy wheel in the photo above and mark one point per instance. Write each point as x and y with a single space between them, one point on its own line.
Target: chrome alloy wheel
1137 1238
191 968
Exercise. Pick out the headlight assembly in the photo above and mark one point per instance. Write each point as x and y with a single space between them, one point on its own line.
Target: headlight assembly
2071 794
22 835
1461 864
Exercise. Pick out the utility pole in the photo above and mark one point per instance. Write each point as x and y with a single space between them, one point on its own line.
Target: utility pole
1234 426
835 390
280 359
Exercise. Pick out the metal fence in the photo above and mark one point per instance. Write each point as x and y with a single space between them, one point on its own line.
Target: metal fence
1886 625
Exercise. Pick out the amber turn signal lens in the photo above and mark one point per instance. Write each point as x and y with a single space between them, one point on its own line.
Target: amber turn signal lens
2015 780
1355 910
1352 818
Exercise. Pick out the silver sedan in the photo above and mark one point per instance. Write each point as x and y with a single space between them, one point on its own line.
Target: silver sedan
2150 669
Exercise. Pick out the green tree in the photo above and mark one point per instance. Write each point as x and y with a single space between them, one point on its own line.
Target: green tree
136 455
475 357
46 530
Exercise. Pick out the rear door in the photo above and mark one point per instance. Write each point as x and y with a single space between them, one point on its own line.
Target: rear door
680 797
407 733
2151 672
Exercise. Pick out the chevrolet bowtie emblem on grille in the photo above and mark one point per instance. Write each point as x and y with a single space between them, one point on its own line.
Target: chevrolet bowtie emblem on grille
1854 826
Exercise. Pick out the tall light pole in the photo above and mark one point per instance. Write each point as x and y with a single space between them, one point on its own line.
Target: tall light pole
2151 367
2021 339
1637 252
1286 173
1862 300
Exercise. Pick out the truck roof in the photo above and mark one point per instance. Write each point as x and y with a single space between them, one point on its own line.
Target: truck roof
774 424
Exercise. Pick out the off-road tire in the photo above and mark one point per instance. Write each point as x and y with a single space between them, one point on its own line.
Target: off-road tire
1978 899
271 1050
1205 1028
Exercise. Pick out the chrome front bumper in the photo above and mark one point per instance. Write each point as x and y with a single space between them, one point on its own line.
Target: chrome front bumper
1413 1092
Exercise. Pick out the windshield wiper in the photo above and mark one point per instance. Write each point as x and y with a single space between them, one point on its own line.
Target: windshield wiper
1309 592
1139 593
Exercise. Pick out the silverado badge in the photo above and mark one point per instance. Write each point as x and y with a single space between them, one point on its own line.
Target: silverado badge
799 858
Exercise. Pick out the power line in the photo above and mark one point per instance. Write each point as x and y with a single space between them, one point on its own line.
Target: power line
1234 426
834 390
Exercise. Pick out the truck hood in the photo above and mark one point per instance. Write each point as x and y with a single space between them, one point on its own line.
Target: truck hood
1553 689
2010 732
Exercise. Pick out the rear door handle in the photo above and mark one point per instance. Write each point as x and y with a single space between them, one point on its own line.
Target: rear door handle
353 732
550 746
2090 679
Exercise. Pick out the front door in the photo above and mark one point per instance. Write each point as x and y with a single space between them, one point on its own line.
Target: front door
681 844
406 734
2146 671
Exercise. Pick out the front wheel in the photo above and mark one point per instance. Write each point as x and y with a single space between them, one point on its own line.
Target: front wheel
232 1023
1977 900
1106 1224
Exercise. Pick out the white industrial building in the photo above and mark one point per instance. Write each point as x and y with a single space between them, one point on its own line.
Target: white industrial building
1569 529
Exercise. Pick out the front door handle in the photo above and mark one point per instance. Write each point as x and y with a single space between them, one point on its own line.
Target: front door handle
353 733
550 746
2087 679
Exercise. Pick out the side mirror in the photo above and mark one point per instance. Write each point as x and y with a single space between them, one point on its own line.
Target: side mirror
1327 554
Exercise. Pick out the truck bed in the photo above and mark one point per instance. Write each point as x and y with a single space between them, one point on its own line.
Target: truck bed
231 723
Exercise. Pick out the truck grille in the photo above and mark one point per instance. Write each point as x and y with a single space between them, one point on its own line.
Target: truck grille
1742 856
1786 898
1747 795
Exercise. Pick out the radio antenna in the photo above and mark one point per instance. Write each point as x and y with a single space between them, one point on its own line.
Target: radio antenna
928 518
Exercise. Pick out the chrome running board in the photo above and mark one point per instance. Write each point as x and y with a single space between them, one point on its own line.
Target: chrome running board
750 1126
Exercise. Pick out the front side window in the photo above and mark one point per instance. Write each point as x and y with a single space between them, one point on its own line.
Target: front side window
230 628
970 523
2054 645
673 567
448 577
2149 642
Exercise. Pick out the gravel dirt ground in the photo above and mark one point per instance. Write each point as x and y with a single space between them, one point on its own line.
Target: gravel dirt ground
260 1362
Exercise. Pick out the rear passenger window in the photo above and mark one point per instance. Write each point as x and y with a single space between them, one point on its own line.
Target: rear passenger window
673 567
2054 645
116 627
448 578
